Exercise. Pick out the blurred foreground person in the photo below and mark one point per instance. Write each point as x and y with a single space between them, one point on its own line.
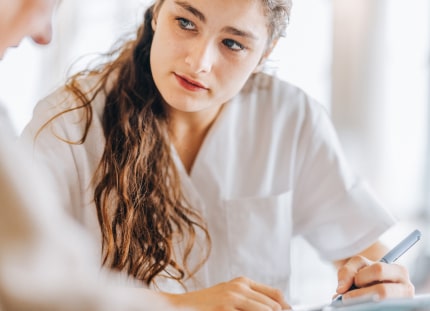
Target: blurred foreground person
45 257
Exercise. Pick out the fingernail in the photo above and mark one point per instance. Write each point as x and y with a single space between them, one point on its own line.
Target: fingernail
340 285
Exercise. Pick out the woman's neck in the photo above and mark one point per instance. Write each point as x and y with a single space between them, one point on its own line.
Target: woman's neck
188 130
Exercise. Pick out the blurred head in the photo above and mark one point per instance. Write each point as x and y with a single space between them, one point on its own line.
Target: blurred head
203 52
25 18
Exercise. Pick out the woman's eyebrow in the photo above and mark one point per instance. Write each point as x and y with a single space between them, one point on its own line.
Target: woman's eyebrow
186 6
232 30
241 33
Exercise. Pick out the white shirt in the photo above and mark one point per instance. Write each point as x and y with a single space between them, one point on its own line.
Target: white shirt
270 168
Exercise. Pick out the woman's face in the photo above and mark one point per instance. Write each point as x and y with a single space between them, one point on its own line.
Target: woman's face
22 18
204 51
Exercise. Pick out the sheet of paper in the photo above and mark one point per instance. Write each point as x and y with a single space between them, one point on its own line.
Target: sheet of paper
418 303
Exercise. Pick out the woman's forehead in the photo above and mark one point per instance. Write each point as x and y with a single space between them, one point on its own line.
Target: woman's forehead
237 11
226 5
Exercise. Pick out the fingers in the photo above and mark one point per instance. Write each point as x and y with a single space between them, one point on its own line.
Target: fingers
381 291
238 294
265 294
250 295
346 274
374 279
381 272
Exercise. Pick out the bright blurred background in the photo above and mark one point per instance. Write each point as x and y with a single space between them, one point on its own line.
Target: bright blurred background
367 61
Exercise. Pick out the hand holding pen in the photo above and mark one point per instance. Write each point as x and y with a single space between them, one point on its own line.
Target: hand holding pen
379 279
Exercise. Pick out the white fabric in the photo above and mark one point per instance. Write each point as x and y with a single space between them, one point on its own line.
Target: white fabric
47 261
270 168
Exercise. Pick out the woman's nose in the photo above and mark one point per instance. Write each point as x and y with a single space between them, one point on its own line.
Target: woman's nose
201 57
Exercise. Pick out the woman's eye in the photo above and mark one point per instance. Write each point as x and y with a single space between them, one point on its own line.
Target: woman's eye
233 45
185 24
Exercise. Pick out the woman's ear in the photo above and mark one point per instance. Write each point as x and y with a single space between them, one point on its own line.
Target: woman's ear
265 56
155 11
153 23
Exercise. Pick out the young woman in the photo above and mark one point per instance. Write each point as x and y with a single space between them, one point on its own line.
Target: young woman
194 169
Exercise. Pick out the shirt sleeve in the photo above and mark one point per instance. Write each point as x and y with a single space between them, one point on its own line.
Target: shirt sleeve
47 139
335 211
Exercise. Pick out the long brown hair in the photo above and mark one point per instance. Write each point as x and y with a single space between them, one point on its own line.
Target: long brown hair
140 206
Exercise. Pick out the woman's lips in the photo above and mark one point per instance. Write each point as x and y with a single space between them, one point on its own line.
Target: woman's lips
190 84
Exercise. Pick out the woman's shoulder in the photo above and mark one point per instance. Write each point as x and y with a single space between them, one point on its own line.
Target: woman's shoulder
263 82
268 93
68 97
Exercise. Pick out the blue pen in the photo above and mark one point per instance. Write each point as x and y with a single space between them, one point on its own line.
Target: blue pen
390 257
